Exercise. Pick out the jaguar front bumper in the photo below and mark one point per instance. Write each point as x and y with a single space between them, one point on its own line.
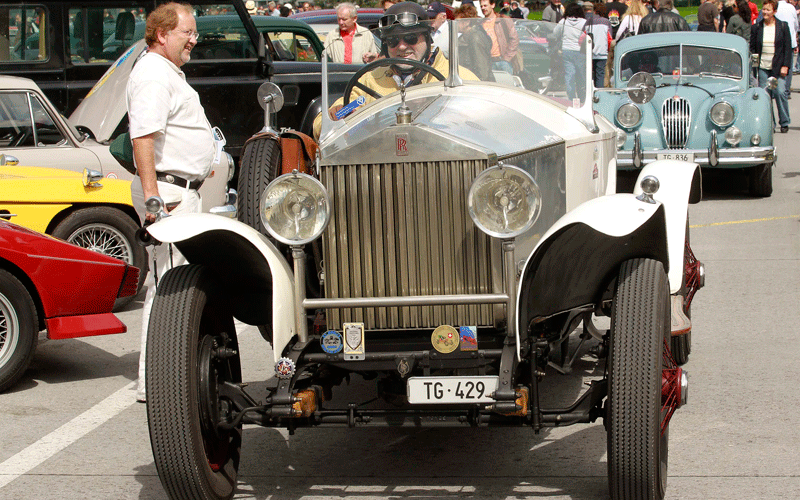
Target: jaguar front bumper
712 157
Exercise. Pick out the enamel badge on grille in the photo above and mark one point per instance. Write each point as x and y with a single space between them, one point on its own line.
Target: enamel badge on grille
401 143
445 339
284 368
331 342
353 341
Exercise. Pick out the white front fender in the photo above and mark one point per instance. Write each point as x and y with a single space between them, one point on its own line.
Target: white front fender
675 178
182 228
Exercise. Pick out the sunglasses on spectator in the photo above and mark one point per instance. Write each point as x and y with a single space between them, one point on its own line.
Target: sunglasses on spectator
403 19
408 39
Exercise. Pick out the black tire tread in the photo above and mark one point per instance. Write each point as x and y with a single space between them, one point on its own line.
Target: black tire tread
171 356
259 165
635 380
761 180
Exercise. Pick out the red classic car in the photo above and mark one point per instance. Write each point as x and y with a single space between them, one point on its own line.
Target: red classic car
46 283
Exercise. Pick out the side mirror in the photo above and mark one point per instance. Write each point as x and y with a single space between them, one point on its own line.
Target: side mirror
641 88
270 98
91 178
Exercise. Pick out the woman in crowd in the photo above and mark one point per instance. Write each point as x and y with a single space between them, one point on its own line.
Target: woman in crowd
571 42
739 23
630 21
770 41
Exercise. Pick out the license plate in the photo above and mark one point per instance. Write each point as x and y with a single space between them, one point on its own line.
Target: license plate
443 390
675 156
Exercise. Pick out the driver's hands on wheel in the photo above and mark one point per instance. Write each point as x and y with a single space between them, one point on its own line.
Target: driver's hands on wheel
333 110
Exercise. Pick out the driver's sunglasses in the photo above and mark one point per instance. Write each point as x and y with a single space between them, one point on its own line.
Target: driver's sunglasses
403 19
408 39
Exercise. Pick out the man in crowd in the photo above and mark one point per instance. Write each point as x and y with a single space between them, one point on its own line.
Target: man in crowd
663 20
350 43
553 12
405 33
505 42
615 10
708 16
600 30
516 11
441 34
173 144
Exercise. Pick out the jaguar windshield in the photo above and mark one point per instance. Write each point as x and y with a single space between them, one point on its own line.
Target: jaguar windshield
683 61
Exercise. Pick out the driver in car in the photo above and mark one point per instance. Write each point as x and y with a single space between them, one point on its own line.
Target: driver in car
405 33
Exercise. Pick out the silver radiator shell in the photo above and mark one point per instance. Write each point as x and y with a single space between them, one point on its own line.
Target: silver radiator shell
402 229
676 117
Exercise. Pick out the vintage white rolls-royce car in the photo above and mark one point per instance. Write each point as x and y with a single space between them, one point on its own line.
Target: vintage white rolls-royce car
449 241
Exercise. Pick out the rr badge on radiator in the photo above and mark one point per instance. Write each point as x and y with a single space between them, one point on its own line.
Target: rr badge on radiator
353 341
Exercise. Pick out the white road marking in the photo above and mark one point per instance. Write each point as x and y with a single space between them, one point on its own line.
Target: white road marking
46 447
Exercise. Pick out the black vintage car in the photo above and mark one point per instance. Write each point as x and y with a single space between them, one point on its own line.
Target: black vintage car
86 37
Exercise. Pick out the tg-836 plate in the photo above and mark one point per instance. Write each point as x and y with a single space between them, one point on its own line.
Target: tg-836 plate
449 390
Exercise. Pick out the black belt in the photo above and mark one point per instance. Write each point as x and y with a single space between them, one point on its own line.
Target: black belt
178 181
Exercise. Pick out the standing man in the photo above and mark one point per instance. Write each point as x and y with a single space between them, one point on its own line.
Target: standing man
708 16
350 43
173 144
614 11
441 33
554 11
600 29
505 42
788 14
663 20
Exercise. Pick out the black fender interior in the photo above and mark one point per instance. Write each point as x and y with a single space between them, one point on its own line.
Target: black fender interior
241 269
575 265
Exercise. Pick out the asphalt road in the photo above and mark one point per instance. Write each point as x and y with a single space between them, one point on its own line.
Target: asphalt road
71 428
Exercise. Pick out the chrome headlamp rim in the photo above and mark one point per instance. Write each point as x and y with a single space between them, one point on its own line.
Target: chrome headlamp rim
722 114
628 123
485 176
326 205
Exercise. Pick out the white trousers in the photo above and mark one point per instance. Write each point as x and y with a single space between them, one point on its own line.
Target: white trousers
189 203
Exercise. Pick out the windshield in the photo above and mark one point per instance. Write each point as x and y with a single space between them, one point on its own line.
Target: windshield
546 58
683 60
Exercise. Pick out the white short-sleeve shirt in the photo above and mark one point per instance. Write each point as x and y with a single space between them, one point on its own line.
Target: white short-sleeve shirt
160 100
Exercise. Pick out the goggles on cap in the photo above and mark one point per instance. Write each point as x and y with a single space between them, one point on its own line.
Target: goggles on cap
407 19
408 38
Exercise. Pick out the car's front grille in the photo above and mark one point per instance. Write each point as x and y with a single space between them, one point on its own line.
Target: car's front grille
403 229
676 116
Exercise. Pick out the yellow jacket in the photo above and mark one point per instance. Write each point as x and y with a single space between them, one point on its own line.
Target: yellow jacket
381 81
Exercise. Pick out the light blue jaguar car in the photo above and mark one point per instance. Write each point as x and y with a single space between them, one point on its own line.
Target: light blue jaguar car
704 109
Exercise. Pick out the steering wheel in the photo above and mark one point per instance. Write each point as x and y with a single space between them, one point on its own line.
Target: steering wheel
21 136
387 62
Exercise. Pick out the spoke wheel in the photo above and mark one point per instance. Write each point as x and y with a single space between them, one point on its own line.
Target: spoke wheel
637 422
18 329
108 231
192 351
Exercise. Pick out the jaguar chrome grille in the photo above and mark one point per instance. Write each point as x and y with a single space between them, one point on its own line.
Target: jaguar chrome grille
403 229
676 115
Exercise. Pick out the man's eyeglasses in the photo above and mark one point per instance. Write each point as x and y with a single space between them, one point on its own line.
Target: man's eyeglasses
403 19
408 39
189 34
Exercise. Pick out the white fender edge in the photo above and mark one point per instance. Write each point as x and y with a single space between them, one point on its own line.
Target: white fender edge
182 227
615 215
675 178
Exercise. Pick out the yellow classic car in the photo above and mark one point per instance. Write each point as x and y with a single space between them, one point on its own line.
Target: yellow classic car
85 209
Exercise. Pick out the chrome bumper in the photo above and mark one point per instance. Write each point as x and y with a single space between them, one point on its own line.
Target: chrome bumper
229 208
711 157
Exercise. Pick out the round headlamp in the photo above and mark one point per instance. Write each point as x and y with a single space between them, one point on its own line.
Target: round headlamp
622 138
755 140
504 201
721 114
295 208
629 115
733 135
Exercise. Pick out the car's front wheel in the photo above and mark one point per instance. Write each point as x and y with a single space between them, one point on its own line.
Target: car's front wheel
191 352
761 180
638 435
109 231
18 329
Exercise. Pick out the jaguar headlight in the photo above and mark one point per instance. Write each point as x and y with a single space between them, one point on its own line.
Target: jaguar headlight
622 138
504 201
629 115
721 114
733 135
295 208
